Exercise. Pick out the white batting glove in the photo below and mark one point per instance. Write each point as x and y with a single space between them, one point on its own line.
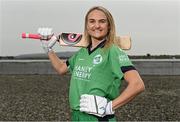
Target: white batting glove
95 105
47 39
46 33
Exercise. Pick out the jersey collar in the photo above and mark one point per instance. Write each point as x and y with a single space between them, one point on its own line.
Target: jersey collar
100 45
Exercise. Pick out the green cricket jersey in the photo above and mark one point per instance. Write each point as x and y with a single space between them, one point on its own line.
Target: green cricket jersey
97 72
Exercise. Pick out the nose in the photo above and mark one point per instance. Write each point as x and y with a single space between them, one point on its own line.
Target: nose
97 25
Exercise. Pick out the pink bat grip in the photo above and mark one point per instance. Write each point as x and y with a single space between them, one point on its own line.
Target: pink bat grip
32 36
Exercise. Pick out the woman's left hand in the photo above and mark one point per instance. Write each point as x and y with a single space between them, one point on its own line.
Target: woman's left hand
95 105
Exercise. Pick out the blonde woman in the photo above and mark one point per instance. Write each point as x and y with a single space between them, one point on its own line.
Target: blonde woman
97 70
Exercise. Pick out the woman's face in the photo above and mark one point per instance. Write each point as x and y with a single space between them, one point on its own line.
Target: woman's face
97 25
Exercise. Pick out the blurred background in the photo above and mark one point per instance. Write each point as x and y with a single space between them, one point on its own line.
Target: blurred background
154 25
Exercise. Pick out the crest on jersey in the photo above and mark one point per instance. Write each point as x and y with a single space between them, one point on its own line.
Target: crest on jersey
97 59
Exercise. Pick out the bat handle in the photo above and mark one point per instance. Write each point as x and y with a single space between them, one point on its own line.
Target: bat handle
32 36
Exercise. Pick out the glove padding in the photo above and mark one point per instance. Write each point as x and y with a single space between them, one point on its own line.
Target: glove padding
46 33
47 39
95 105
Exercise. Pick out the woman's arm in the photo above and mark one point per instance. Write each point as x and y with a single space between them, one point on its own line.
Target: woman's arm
59 65
135 86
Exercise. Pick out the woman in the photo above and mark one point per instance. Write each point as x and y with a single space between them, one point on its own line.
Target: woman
97 70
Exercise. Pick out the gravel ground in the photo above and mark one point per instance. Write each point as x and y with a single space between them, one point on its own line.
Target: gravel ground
45 98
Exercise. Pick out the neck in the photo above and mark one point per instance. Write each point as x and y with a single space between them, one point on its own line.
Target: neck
95 43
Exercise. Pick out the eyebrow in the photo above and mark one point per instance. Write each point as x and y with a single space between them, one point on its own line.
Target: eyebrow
98 20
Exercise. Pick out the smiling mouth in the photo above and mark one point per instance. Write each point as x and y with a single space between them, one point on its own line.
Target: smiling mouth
97 32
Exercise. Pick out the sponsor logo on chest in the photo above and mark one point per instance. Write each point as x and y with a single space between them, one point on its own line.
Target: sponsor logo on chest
82 72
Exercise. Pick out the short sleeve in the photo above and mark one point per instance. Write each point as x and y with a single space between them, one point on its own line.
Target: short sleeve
120 62
71 62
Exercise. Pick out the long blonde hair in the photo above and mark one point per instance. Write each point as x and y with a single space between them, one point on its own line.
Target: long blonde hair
111 36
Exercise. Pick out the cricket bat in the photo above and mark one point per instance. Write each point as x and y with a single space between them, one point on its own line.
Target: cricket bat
77 40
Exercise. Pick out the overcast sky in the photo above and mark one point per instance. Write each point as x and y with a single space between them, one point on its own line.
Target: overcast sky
154 25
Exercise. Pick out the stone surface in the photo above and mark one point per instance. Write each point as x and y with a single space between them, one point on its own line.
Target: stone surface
45 98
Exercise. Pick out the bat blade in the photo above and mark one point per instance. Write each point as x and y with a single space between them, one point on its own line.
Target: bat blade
72 39
78 40
124 42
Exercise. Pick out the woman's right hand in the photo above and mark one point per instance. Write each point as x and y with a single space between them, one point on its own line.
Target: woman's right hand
48 40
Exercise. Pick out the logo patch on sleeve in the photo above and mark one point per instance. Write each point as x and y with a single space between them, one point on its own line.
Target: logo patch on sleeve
123 58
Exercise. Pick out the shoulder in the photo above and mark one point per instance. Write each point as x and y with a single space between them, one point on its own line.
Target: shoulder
81 50
76 54
117 52
115 49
